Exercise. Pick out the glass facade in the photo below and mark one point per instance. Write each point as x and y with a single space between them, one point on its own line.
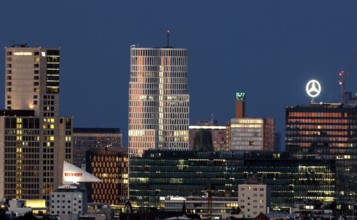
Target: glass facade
158 100
178 173
326 131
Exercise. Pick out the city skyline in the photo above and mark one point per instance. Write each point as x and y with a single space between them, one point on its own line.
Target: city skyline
265 49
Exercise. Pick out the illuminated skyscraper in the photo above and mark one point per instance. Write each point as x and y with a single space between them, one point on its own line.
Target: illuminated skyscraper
158 99
34 139
327 131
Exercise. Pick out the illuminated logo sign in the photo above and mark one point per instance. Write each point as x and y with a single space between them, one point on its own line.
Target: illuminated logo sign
22 53
313 88
73 174
240 96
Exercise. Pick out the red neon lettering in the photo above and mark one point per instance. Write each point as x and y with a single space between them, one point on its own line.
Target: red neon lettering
72 174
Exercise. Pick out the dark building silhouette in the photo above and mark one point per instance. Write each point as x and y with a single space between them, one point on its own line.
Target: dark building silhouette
203 141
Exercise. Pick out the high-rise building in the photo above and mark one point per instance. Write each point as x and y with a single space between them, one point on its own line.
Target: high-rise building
34 139
158 99
85 139
327 131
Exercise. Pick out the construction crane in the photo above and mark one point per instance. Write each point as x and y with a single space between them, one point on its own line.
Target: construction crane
342 76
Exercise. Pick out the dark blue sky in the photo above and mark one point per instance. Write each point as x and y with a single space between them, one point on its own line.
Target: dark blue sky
268 49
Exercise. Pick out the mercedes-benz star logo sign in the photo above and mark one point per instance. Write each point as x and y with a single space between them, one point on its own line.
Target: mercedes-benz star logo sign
313 88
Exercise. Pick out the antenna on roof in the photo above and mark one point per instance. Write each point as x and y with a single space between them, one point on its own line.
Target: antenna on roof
168 38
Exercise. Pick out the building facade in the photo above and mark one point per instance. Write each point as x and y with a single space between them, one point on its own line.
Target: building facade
111 166
34 139
177 173
68 200
327 131
218 134
85 139
219 208
158 99
253 199
252 134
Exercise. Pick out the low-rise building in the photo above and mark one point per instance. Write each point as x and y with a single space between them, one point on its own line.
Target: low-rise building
253 199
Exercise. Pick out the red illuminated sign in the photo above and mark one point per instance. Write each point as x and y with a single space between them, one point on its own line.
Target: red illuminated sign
73 174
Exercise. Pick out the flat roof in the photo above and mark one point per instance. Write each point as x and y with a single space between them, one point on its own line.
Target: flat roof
97 130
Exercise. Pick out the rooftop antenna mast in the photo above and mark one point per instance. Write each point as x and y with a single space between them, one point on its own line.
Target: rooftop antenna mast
168 38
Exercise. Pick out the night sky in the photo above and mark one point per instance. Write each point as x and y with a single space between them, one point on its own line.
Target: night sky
268 49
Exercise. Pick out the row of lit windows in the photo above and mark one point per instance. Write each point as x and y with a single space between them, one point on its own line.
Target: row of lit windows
156 60
319 133
320 127
21 144
142 139
326 140
146 86
142 69
320 121
168 73
9 174
9 181
141 106
318 114
158 52
23 150
177 89
155 83
163 61
22 131
166 116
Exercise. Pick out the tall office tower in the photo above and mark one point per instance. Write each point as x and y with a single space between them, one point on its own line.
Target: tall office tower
34 140
85 139
328 131
158 100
